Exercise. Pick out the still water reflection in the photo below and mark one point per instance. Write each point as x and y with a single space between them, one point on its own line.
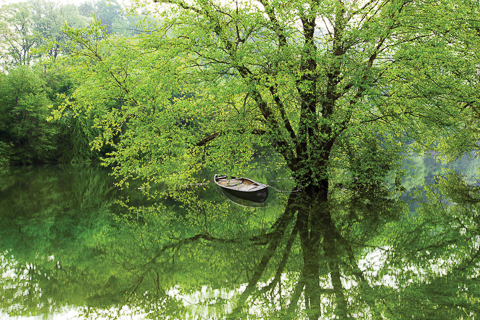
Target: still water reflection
68 248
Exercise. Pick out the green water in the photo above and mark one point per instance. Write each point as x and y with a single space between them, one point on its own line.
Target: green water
69 249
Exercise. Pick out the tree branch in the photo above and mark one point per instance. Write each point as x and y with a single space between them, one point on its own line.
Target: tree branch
211 137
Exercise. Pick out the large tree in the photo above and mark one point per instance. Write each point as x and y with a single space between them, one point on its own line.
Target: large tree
320 82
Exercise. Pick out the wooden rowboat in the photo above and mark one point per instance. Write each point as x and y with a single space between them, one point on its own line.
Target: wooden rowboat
243 188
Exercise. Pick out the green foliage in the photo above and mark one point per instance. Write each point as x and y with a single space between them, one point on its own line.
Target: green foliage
28 89
28 26
440 70
24 108
26 95
209 85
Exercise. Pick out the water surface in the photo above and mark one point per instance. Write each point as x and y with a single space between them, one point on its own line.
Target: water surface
69 248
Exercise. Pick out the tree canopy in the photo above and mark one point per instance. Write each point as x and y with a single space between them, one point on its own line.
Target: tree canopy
327 86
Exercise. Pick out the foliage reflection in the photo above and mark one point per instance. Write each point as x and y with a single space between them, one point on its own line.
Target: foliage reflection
361 255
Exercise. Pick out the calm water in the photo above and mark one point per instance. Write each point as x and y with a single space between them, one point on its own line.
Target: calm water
73 246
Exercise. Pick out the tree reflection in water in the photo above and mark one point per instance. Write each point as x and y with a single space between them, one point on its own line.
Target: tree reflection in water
362 254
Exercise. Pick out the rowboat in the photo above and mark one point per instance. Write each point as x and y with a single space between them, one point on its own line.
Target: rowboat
243 188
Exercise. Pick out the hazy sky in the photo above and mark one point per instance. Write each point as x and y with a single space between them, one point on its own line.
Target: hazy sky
76 2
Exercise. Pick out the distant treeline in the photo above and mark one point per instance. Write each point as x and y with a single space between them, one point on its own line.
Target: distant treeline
26 137
28 88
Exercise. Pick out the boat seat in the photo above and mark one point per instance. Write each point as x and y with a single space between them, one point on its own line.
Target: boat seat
247 187
238 184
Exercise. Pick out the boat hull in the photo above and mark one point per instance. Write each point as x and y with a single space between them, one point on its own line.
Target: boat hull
241 201
256 196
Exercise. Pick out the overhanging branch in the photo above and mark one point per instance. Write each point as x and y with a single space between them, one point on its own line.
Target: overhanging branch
211 137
